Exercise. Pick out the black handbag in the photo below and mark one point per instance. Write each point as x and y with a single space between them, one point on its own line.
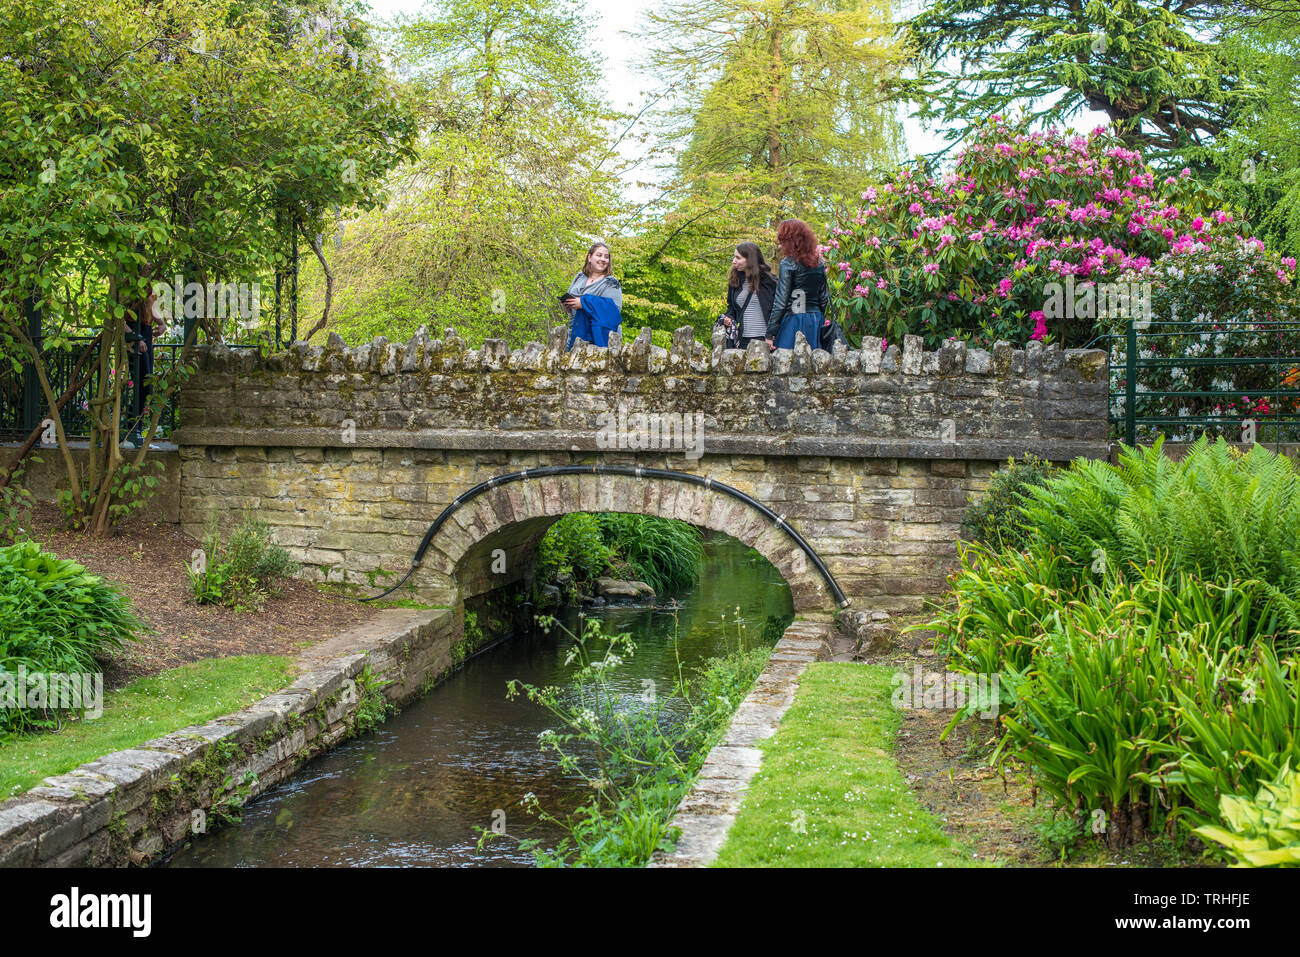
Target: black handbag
831 333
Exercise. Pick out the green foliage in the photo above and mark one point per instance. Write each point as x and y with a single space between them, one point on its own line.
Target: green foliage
372 707
1162 74
241 573
573 550
1264 832
638 763
55 617
197 137
995 519
15 505
1217 514
1138 634
580 547
666 553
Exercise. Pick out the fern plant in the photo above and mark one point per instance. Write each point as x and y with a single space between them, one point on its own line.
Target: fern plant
1218 514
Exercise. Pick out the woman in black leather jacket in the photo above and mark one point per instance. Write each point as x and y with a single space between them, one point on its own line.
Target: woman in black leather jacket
801 290
747 307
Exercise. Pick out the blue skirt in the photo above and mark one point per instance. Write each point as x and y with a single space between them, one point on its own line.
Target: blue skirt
809 323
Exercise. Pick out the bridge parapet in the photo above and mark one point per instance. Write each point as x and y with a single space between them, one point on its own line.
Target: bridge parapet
953 403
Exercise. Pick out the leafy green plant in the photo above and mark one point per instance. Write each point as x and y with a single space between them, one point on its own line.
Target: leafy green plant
372 706
1218 514
1265 831
15 505
241 573
572 550
995 518
663 552
55 617
1237 718
637 762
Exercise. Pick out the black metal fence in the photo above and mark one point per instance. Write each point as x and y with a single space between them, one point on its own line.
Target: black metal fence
1181 379
23 408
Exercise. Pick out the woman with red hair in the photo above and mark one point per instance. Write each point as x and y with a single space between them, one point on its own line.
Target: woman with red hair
801 289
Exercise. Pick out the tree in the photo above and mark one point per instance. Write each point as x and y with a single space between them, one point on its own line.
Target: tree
1158 70
143 140
1260 159
792 110
514 178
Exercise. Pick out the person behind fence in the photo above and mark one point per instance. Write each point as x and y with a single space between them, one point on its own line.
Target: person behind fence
750 290
594 299
139 337
802 293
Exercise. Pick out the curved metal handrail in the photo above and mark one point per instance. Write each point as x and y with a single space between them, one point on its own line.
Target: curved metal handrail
626 470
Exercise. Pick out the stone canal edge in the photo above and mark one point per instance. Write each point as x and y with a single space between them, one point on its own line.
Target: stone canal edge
131 807
710 807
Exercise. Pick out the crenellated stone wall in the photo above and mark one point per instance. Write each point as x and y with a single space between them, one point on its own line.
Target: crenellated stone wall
871 454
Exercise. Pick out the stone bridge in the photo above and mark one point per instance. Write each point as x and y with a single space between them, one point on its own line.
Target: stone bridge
351 453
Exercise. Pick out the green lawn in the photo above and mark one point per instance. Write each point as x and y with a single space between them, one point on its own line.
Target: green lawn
145 709
829 794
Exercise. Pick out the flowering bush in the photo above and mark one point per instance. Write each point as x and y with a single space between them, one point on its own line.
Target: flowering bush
972 255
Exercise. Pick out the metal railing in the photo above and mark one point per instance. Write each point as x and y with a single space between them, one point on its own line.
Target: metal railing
19 415
1264 383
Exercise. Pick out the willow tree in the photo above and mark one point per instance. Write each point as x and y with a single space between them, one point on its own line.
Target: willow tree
143 140
515 174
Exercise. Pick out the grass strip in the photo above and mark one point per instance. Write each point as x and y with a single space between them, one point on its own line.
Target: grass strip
145 709
829 794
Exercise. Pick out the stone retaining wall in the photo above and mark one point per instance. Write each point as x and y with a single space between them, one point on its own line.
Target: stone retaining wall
132 806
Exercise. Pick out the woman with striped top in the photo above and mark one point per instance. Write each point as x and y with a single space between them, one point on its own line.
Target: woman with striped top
750 289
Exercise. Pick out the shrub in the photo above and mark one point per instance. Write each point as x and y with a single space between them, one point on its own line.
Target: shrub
243 572
15 505
574 547
55 617
1265 832
1217 514
970 255
995 518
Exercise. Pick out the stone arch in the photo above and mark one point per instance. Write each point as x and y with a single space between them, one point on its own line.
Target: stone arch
507 522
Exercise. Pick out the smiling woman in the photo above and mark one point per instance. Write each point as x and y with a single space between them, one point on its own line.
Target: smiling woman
595 299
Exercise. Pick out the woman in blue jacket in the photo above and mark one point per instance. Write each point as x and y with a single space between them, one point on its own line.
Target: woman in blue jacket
802 293
594 299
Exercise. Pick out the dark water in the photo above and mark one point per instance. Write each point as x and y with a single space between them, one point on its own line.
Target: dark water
412 792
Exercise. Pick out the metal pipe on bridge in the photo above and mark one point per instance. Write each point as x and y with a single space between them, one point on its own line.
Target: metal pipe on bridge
625 470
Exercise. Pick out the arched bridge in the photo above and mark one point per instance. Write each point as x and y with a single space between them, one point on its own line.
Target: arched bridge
867 456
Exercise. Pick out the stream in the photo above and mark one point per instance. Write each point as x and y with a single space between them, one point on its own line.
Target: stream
412 792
